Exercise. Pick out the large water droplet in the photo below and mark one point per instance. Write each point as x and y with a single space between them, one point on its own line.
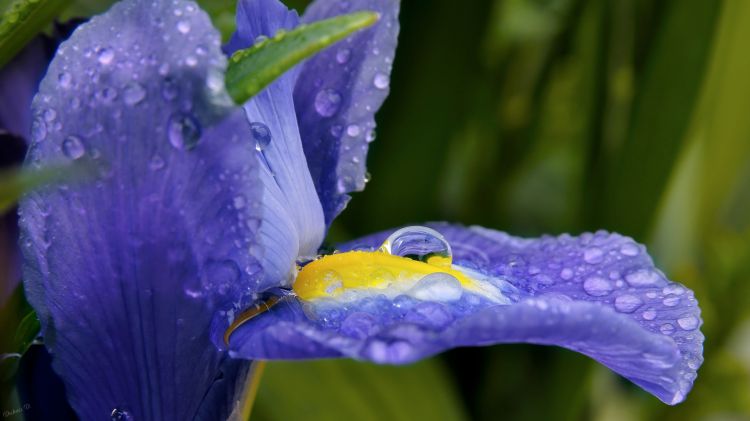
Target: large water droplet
121 415
261 135
419 243
649 314
597 286
629 249
671 301
627 303
437 287
133 93
105 55
353 130
566 274
327 102
72 147
381 81
65 80
688 322
49 115
38 129
183 130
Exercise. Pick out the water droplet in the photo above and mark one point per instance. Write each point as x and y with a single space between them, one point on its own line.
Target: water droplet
566 274
38 129
238 202
191 61
597 286
353 130
627 303
419 243
688 322
183 26
65 80
666 328
437 287
133 93
156 163
629 249
105 55
261 135
49 115
671 301
343 55
183 130
107 95
170 89
381 81
336 130
649 314
121 415
642 277
593 255
327 102
72 147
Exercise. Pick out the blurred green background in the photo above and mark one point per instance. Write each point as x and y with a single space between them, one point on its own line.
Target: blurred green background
551 116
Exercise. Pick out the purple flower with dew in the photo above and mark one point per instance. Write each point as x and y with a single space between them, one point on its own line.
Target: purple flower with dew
196 248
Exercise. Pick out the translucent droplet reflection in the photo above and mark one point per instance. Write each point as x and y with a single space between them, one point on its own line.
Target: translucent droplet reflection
419 243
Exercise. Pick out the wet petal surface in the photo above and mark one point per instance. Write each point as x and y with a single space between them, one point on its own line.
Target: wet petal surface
337 95
598 294
127 269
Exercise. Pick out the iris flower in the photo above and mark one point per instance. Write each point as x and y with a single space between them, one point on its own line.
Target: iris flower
196 248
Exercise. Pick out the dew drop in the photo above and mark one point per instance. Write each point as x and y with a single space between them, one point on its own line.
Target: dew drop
156 163
649 314
49 115
238 202
671 301
381 81
353 130
107 95
667 328
183 130
343 55
327 102
170 89
597 286
437 286
642 277
191 61
627 303
688 322
65 80
72 147
566 274
133 93
593 255
121 415
419 243
183 26
38 129
629 249
261 135
105 55
370 136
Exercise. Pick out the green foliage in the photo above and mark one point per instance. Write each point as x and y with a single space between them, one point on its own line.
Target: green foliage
22 20
253 69
349 390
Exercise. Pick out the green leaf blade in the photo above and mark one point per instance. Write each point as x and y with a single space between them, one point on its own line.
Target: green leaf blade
253 69
22 21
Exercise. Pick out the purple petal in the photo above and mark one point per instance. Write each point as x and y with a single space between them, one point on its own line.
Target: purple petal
293 225
127 269
337 95
598 294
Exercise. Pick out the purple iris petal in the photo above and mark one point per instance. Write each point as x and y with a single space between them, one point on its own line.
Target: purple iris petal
337 95
293 225
127 270
598 294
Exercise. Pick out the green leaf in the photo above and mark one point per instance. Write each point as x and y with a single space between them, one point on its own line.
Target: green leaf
22 21
253 69
666 98
14 183
349 390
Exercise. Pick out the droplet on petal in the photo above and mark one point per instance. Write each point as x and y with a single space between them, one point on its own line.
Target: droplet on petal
261 135
133 93
72 147
381 81
183 130
597 286
437 287
627 303
419 243
327 102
